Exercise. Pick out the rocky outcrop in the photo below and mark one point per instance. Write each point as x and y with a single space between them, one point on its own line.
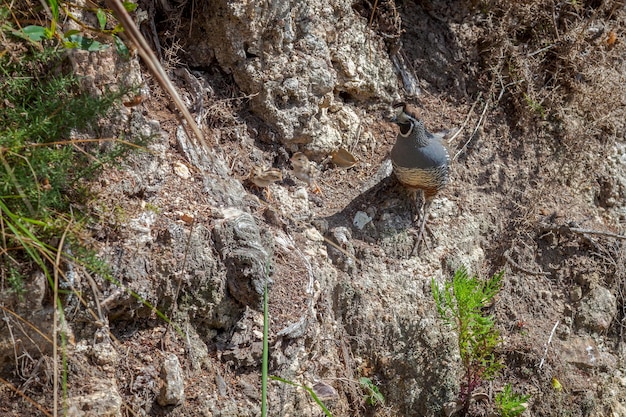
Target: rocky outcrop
300 62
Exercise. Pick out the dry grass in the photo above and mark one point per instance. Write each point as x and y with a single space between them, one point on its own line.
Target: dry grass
543 51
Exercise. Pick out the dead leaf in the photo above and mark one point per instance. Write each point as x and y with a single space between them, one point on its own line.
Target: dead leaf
187 218
343 159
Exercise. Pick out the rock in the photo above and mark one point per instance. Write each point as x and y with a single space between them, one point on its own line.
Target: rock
575 293
245 346
104 401
222 389
249 390
173 388
294 330
597 309
618 409
104 354
181 170
325 392
291 56
583 352
361 219
246 256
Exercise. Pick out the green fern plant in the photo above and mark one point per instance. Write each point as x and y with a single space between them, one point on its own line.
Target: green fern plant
372 396
460 304
511 404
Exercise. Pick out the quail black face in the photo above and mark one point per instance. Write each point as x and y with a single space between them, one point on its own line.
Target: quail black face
405 119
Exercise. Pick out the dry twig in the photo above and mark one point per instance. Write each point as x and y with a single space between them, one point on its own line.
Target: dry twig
469 114
545 352
480 120
521 268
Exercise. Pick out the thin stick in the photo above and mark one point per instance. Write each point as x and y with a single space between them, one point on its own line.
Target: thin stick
148 57
32 326
469 114
521 268
545 352
26 397
58 313
596 232
480 120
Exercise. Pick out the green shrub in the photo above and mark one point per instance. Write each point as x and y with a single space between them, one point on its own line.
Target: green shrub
460 305
40 165
511 404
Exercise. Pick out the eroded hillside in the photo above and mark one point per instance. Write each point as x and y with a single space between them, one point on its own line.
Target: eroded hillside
531 96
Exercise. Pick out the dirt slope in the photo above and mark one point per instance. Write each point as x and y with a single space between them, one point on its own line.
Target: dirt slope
532 96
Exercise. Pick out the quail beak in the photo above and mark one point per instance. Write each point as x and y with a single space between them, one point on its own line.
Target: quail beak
398 109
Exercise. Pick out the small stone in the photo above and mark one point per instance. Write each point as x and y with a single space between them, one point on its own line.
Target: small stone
584 353
301 193
313 234
187 218
222 390
597 310
103 401
325 392
361 219
181 170
173 388
104 354
575 293
294 330
564 331
249 390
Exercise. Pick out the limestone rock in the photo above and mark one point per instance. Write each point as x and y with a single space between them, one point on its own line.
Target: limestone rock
173 388
597 310
103 401
584 353
290 55
246 255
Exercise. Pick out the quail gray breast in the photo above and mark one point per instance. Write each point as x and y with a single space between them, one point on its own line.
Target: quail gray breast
420 160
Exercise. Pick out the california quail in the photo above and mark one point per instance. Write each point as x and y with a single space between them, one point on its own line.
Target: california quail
420 160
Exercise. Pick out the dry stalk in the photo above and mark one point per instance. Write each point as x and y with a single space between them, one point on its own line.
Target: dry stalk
154 66
521 268
26 397
545 352
458 132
